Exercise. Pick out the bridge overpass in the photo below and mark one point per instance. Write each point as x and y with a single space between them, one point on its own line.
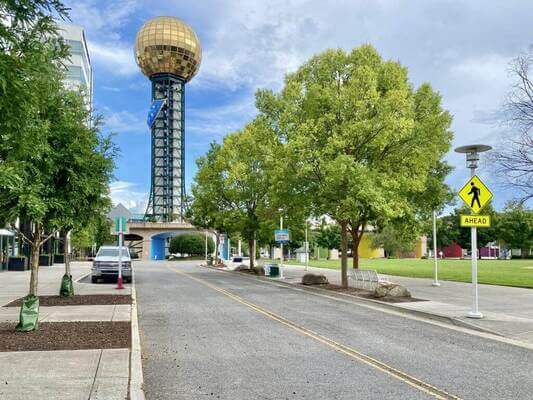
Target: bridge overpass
148 239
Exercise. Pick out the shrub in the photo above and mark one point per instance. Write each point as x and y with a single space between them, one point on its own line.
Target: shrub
192 244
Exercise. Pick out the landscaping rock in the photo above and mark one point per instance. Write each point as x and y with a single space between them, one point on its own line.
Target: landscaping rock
314 279
241 268
390 289
259 270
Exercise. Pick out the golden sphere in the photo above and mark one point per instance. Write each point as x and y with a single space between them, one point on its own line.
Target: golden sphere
168 45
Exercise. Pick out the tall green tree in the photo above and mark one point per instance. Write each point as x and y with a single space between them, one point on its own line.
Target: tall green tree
42 174
30 75
515 227
246 158
359 140
84 164
211 207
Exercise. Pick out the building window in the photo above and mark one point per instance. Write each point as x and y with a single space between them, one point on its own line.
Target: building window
75 46
75 73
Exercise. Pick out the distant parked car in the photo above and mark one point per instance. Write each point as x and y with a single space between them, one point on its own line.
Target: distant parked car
105 264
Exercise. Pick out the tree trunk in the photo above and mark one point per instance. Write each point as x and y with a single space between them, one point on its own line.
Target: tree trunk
217 239
344 254
356 240
251 251
34 264
67 258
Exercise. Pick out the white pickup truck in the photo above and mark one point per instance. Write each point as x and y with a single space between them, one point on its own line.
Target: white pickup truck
105 264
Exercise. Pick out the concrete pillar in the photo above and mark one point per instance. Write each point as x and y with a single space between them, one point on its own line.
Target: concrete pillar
145 254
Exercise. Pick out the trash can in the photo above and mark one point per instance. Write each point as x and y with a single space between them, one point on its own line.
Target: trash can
210 260
272 270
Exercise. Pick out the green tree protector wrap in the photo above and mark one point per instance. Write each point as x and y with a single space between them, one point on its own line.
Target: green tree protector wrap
29 314
67 288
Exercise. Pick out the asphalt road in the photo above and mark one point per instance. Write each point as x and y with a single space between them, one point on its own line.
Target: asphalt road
213 334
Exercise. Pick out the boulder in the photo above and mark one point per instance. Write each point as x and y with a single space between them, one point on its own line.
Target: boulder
314 279
242 267
390 289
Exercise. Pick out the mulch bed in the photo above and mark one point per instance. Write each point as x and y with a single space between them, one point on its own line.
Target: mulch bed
78 300
66 336
367 294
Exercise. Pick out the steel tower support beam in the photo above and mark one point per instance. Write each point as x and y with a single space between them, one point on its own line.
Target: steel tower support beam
167 193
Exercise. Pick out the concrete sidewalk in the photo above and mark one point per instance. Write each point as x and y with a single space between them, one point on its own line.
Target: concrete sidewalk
63 374
507 310
15 284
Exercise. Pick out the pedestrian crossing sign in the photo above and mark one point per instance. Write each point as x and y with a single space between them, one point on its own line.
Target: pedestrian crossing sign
475 194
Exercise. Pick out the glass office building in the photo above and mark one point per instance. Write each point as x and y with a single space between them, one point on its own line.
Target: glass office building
79 69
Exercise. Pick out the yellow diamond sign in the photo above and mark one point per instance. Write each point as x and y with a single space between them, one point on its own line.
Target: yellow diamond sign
475 194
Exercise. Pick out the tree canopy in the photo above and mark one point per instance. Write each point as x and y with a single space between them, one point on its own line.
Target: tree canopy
55 166
359 141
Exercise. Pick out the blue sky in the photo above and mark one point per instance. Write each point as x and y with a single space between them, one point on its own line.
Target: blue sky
462 48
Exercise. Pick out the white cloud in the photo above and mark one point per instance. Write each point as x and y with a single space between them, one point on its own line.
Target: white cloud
104 25
123 121
116 57
488 67
129 195
103 20
216 122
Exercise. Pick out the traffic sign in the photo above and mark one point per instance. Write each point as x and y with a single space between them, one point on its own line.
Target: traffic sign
478 221
119 224
475 194
281 235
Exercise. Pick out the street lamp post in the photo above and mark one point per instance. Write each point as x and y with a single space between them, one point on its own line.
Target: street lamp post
281 245
472 158
306 248
206 247
436 267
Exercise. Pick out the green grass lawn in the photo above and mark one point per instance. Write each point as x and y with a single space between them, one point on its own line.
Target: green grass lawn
493 272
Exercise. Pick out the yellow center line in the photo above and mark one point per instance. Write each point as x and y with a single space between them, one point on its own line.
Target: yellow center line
339 347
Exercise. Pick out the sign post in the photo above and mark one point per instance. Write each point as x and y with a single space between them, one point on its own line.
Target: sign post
436 265
306 248
281 236
476 195
120 227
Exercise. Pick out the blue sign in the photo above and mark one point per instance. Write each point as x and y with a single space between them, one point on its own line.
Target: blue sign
281 235
155 109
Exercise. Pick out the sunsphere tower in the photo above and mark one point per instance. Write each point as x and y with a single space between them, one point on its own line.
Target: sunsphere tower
168 52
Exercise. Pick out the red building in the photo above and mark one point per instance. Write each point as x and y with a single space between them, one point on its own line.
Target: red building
452 251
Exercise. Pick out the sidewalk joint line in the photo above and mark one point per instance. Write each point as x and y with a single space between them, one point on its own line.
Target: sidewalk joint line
95 374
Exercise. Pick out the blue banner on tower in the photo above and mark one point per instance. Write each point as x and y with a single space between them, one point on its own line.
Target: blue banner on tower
155 109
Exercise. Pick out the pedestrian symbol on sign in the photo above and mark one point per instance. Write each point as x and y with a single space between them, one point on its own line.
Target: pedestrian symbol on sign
474 191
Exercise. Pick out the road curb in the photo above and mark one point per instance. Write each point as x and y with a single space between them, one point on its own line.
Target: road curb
421 314
136 391
81 277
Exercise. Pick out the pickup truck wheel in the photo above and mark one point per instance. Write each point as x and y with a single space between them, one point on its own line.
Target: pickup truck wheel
94 279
